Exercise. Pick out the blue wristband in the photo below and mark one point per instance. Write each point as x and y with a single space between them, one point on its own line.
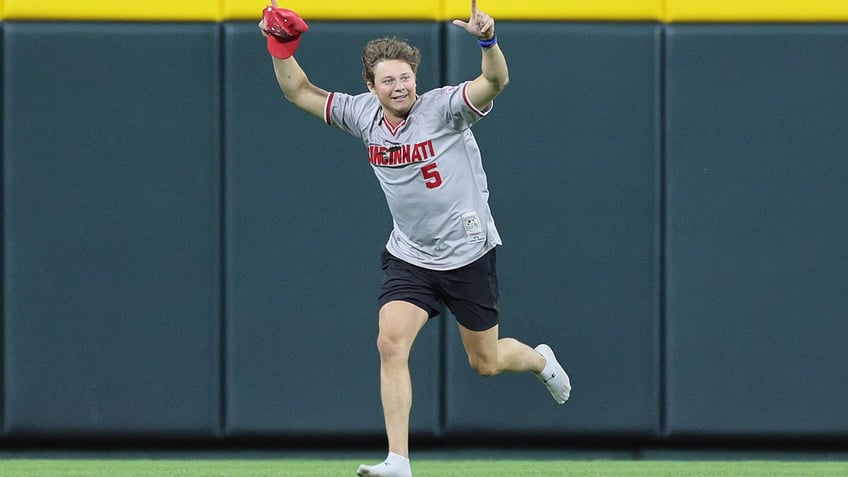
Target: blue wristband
486 44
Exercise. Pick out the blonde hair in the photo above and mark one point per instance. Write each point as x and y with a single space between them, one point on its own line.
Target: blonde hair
387 48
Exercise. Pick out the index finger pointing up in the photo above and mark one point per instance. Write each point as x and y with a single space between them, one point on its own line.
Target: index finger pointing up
473 8
274 3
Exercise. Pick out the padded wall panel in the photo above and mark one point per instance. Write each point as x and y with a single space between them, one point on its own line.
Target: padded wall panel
111 230
306 224
571 151
757 292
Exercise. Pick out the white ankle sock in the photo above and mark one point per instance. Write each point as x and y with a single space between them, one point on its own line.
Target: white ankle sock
547 371
397 460
395 465
554 377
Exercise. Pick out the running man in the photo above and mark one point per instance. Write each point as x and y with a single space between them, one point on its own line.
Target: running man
441 251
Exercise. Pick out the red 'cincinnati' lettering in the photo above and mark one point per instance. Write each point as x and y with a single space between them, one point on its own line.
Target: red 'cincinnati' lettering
400 155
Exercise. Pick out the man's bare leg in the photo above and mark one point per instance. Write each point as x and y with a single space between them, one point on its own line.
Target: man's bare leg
400 323
490 355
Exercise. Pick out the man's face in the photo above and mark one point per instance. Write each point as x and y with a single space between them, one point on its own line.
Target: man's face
394 85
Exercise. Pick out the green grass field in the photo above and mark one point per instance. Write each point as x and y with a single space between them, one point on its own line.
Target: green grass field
423 468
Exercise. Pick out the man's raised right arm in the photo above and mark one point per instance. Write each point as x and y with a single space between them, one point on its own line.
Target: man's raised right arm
297 88
282 29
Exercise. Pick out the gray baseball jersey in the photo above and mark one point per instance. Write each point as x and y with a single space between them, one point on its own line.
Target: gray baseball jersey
430 170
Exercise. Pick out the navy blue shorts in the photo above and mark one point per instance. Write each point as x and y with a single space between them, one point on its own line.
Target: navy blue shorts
469 292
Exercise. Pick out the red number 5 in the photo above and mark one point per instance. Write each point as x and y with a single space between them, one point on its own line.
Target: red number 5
432 178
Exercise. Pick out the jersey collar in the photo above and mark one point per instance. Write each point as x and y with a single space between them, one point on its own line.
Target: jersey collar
393 130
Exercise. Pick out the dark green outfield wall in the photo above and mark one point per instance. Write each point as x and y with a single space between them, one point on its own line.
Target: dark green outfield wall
186 255
756 244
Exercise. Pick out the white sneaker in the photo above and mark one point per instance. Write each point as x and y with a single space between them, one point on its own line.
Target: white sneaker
554 376
385 469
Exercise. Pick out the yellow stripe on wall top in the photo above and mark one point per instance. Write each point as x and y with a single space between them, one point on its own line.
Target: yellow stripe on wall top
756 10
559 9
340 9
129 10
434 10
451 9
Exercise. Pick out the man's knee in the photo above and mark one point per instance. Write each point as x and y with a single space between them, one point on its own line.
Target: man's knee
485 366
399 325
391 348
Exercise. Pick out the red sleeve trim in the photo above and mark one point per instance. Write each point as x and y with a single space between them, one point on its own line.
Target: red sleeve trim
468 101
327 105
